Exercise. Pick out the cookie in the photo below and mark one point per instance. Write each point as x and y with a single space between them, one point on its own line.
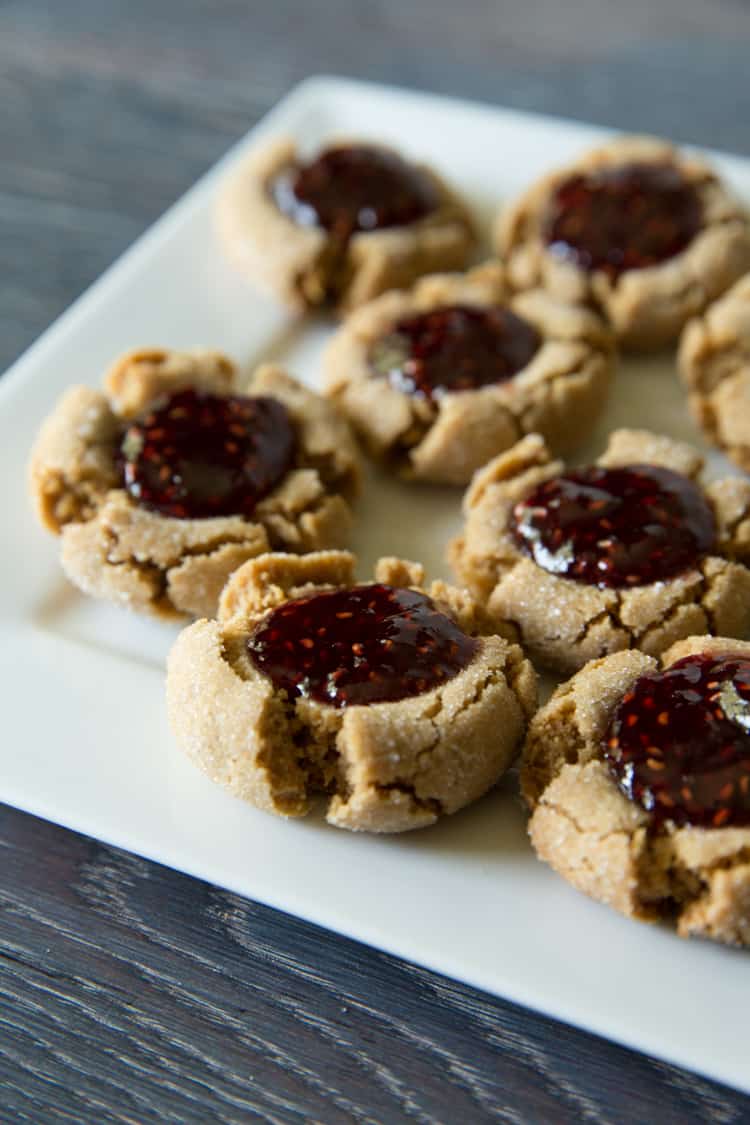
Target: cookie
168 480
647 234
337 230
630 552
395 703
440 378
637 772
714 362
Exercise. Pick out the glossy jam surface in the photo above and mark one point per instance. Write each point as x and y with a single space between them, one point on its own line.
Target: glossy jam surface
679 742
367 644
615 527
454 348
624 217
355 188
200 455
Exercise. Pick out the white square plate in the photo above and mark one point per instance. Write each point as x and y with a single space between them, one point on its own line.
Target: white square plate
85 741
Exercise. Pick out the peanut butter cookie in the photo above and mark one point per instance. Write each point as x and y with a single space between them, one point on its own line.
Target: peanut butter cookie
339 229
164 483
646 233
440 378
630 552
637 772
714 361
395 703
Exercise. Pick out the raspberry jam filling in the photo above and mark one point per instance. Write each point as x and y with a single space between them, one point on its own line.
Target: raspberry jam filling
454 349
679 742
622 218
615 527
201 455
355 188
367 644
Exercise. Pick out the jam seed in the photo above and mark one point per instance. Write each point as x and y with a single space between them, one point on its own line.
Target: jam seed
595 516
370 654
453 348
693 768
622 217
355 187
178 460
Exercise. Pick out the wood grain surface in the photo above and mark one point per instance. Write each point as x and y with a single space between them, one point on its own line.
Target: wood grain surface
129 992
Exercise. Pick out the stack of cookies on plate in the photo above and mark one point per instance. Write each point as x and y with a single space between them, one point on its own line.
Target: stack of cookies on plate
182 488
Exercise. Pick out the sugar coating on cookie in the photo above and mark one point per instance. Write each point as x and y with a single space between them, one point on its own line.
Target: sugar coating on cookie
169 479
440 378
635 227
658 831
394 702
714 362
632 552
341 227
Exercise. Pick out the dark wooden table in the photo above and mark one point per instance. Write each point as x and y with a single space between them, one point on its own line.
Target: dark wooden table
132 993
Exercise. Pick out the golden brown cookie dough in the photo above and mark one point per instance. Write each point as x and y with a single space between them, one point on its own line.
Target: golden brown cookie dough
605 844
114 548
647 307
563 623
714 362
304 266
559 393
382 767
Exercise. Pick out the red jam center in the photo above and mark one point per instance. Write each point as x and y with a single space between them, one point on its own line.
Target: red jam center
368 644
454 349
201 455
355 188
615 527
623 218
679 742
